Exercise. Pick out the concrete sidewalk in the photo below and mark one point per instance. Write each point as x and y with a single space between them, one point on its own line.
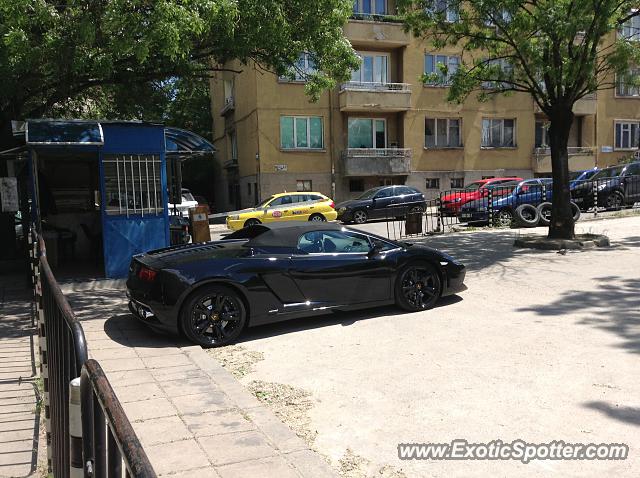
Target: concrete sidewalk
19 410
193 417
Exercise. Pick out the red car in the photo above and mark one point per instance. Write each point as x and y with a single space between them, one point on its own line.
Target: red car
451 203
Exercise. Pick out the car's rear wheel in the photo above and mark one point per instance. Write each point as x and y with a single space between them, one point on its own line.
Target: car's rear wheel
213 316
359 216
614 200
575 210
527 215
418 287
317 218
251 222
504 218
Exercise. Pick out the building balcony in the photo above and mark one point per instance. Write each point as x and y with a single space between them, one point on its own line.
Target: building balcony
583 107
229 105
376 162
365 97
376 30
580 158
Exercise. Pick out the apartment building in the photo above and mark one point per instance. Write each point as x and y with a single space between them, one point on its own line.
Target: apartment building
386 127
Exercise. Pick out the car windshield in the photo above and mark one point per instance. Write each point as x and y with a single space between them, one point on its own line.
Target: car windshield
473 186
576 175
187 196
264 203
608 173
369 194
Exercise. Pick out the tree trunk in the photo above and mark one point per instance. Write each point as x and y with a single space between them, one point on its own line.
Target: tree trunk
562 223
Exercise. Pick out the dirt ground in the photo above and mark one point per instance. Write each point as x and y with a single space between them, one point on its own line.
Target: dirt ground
543 346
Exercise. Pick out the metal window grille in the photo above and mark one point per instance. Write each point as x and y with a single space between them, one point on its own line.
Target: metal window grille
133 185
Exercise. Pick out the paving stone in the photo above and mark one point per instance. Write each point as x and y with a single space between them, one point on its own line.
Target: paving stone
166 361
235 447
131 377
201 403
188 386
120 353
309 463
103 343
217 423
158 351
177 456
136 393
161 430
274 466
117 365
178 373
209 472
146 409
276 431
22 424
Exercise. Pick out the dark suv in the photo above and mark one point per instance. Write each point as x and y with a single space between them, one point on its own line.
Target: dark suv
616 186
382 202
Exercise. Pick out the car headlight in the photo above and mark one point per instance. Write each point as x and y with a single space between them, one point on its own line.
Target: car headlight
602 186
234 218
342 209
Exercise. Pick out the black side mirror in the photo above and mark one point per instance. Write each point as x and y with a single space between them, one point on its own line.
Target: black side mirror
374 251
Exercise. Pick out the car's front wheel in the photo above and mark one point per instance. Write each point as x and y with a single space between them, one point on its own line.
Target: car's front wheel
418 287
251 222
504 218
317 218
359 216
213 316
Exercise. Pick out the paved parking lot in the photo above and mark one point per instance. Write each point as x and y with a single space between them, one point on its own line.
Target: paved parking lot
542 347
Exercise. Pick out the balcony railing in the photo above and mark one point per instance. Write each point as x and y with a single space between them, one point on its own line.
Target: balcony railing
375 86
540 153
376 17
376 161
229 105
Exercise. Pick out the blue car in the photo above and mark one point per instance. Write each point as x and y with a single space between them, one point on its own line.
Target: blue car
530 191
585 175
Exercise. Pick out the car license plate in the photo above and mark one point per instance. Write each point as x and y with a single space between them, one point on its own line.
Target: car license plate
578 199
465 216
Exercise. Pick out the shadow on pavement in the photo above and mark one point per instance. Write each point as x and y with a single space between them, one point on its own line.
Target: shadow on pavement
614 307
629 415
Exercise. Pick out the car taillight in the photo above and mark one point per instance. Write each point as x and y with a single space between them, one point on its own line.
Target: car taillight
146 274
332 205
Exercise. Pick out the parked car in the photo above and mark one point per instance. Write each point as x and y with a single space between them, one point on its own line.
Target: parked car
616 186
272 272
585 175
451 203
298 206
203 202
381 202
182 209
531 192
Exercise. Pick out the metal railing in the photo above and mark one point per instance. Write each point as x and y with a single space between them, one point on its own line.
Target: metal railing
375 86
63 358
541 152
377 152
506 206
376 17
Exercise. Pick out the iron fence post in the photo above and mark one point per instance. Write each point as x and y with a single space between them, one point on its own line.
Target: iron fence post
595 197
76 468
490 206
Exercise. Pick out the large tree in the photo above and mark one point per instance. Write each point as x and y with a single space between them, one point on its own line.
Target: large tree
53 52
558 51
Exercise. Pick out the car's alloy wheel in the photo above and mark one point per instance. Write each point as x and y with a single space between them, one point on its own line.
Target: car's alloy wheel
317 218
359 216
504 218
614 200
214 316
418 287
251 222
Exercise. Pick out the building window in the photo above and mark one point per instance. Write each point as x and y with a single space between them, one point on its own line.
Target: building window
457 183
498 133
631 29
502 16
627 85
132 185
500 67
303 68
432 183
367 133
542 134
228 91
628 135
304 185
448 9
233 141
369 7
434 66
442 133
373 69
249 189
356 185
301 132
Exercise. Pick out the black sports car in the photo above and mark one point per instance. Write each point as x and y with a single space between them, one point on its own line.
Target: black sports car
271 272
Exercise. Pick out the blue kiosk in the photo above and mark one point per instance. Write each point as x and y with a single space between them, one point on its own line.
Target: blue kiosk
98 190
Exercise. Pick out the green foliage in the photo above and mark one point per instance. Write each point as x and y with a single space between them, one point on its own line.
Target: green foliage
75 55
556 50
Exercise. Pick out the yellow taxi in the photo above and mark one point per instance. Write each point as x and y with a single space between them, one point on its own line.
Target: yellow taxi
298 206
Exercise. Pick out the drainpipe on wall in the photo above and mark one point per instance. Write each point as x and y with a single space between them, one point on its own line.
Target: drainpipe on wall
331 150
